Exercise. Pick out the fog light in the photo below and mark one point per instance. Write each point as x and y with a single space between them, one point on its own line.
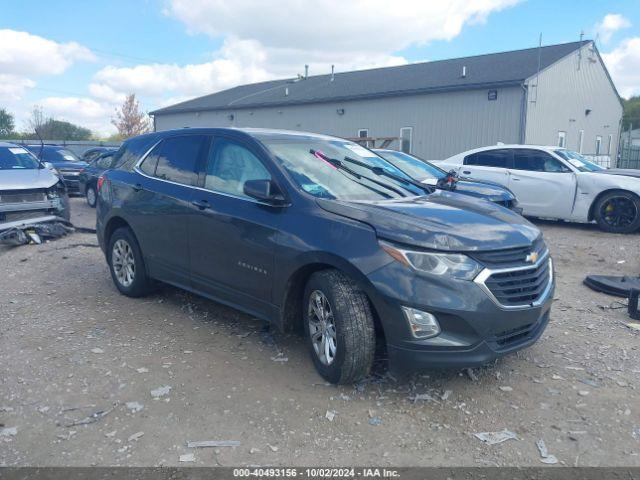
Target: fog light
422 324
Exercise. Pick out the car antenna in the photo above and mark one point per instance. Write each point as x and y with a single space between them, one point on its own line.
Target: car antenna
35 129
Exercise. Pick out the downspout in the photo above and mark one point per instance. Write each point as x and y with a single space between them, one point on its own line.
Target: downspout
523 112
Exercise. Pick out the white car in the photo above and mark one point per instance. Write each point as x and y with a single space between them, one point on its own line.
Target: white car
553 182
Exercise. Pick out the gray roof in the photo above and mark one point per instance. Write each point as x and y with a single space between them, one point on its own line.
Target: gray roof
494 69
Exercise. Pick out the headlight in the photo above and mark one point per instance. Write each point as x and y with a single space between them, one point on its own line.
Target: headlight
454 265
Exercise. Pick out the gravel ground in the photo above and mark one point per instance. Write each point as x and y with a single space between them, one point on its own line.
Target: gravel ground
80 364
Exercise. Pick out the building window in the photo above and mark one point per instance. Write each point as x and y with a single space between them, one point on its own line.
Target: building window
405 139
580 140
363 133
610 144
598 144
562 139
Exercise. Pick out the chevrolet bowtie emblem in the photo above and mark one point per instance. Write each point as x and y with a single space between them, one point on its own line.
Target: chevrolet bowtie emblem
532 257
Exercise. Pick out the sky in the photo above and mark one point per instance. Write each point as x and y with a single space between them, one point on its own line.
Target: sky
77 60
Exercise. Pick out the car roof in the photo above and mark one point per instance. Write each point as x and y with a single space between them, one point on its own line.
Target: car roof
9 144
547 148
251 132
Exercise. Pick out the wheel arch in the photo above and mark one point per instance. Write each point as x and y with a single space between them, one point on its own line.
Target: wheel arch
113 224
293 295
591 214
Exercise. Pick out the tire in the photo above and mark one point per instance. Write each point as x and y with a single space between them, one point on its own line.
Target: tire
127 267
353 336
618 212
91 196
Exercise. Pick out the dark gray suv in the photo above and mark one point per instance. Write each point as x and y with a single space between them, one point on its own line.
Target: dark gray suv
308 231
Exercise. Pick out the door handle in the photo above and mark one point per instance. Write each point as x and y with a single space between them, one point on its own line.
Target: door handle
137 187
201 204
515 179
467 172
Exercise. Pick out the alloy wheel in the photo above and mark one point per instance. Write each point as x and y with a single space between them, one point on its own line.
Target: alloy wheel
91 196
322 327
619 212
124 264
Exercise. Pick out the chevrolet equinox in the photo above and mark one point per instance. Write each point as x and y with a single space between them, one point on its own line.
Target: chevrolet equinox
309 231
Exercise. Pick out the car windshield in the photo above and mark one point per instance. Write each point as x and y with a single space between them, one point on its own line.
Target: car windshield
53 154
17 158
347 181
578 161
412 166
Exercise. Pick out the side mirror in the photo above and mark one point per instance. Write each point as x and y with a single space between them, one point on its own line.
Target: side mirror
264 190
49 166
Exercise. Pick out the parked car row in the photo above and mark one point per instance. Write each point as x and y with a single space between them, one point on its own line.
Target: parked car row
358 248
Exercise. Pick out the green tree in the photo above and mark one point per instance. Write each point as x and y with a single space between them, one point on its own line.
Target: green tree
631 115
7 124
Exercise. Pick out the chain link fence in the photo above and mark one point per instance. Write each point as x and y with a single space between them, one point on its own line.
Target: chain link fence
629 156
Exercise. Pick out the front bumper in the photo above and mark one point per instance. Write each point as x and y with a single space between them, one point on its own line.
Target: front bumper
15 212
475 330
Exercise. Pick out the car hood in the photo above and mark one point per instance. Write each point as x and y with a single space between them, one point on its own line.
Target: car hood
627 172
491 192
69 165
442 221
25 179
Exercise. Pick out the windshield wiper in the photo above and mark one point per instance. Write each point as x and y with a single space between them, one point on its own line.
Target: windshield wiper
381 171
340 166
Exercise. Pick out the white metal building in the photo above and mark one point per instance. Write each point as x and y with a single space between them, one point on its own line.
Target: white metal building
554 95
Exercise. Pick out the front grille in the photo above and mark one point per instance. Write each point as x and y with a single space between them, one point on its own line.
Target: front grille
510 257
520 287
513 336
25 196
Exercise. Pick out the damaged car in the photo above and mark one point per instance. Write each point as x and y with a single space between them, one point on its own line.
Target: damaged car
557 183
30 193
308 232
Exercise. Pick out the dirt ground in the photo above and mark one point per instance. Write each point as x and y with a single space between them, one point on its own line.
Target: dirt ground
79 365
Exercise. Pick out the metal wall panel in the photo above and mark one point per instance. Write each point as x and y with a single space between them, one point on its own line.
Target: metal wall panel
574 94
443 123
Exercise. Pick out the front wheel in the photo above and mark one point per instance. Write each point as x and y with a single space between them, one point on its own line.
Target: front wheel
618 212
91 196
339 327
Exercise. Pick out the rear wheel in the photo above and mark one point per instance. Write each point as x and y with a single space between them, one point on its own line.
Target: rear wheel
126 264
618 212
339 327
91 196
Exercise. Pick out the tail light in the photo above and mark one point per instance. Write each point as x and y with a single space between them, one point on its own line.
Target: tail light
100 182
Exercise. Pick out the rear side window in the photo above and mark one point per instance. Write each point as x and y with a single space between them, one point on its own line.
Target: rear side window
131 150
175 159
536 161
490 158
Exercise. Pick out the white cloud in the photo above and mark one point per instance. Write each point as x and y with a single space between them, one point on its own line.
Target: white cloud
237 62
83 111
24 54
12 87
266 40
334 25
623 64
611 23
